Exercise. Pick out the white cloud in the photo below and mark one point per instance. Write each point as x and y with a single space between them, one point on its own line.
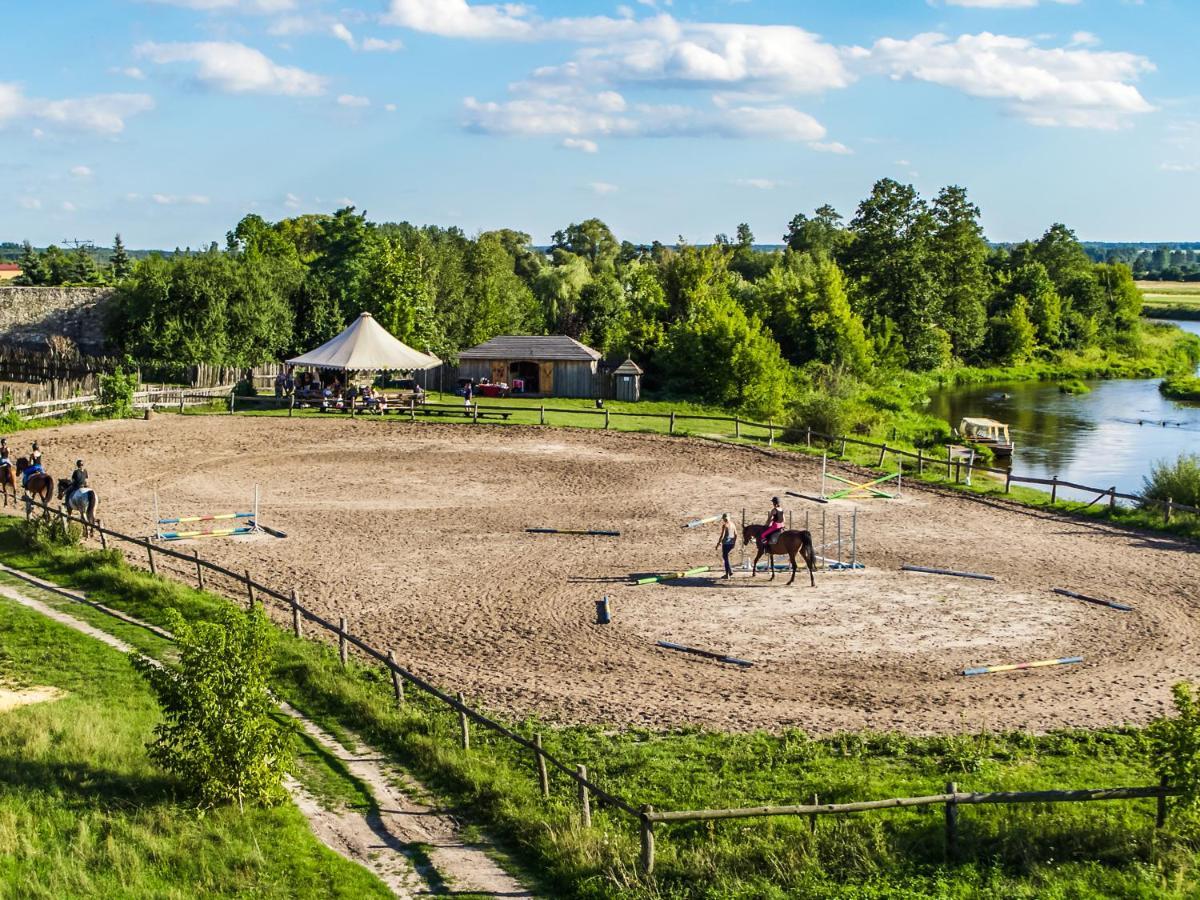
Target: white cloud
1077 88
378 45
129 72
173 200
246 6
291 201
67 206
1005 4
603 187
81 171
759 184
607 115
30 203
457 18
835 147
581 144
1084 39
343 34
1180 167
235 68
390 107
352 100
102 113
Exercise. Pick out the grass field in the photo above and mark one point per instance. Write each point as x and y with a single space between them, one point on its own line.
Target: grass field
1171 299
1070 850
83 811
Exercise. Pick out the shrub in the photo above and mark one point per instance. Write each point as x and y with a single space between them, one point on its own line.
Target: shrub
245 388
1175 746
1180 387
116 393
1178 481
1073 386
218 735
46 532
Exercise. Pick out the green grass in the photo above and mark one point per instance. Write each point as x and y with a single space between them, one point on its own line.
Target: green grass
1069 850
1181 387
1171 299
83 811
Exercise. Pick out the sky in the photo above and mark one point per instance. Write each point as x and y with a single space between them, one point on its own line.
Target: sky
168 120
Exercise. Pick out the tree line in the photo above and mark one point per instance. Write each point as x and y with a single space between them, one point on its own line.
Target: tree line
905 284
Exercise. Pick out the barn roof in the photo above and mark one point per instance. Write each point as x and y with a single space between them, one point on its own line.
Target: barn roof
552 347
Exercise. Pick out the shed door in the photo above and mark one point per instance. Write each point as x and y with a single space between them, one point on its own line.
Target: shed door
546 377
499 371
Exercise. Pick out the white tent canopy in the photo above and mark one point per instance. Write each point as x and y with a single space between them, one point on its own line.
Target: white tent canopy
366 346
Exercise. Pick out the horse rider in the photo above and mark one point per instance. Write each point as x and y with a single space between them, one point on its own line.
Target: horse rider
774 524
35 465
5 453
79 480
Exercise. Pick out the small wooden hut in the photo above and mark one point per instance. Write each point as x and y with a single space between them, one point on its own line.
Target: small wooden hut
627 382
547 366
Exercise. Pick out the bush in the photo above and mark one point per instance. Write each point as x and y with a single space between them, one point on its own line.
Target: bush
1180 387
46 532
1175 746
1073 386
116 393
245 388
218 735
1178 481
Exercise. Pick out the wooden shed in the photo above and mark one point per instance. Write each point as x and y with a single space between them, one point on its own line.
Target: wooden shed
627 382
548 366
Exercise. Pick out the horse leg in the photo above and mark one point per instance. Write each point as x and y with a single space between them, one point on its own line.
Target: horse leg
754 565
792 557
771 560
810 559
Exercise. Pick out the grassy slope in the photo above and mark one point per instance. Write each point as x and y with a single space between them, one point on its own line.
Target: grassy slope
83 811
1065 851
1171 299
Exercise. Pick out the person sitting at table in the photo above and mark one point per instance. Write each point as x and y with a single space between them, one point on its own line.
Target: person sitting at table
418 394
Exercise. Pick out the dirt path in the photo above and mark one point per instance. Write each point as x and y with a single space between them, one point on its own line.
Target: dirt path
391 839
416 534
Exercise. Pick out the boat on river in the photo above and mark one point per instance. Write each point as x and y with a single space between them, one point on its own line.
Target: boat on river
978 432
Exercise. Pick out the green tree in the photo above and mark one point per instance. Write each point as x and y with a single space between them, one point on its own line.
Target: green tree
218 735
823 233
119 263
390 288
604 314
558 289
810 314
960 255
1033 282
32 271
1011 336
591 240
497 300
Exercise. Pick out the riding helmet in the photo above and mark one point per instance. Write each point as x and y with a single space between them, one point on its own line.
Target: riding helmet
775 500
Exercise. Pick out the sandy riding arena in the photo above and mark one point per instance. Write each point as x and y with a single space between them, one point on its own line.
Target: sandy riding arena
415 533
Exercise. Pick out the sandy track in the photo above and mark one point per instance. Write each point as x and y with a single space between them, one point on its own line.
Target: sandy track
415 534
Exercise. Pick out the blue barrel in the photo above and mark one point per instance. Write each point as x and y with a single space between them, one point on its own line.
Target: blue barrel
602 612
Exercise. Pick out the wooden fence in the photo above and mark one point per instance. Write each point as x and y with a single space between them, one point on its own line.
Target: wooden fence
160 398
645 815
957 467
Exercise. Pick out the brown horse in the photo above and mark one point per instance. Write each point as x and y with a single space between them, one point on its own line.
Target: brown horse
40 485
83 502
8 480
789 542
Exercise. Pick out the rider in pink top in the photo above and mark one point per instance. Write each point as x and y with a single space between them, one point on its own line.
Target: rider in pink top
774 522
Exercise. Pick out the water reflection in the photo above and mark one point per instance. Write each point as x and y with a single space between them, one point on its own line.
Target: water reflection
1090 438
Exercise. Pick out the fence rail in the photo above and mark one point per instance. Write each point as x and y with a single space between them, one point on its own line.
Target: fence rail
645 815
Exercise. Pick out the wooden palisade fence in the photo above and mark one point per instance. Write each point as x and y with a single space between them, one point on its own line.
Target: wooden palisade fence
645 816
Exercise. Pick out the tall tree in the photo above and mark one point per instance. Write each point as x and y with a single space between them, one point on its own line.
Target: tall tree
960 255
32 271
119 261
823 233
590 239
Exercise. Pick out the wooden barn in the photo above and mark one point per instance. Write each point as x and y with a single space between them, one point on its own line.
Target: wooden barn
548 366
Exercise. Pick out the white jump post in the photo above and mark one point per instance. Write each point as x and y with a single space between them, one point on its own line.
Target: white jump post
252 528
824 463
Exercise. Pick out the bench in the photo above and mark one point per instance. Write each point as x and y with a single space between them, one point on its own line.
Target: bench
470 414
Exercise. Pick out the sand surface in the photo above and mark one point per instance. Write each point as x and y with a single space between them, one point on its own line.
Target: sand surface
415 533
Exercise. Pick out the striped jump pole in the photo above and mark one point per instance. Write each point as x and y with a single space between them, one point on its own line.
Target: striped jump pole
1012 667
672 576
251 527
591 532
706 521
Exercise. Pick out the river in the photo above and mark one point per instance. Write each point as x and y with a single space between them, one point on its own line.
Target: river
1092 438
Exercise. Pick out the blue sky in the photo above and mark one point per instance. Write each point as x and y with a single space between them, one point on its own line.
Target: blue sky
167 120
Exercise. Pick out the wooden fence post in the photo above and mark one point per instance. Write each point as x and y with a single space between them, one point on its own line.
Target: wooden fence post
737 426
150 557
342 648
296 627
882 454
951 824
543 775
412 409
949 456
808 436
1161 818
842 454
542 414
672 431
920 461
647 858
1167 512
1008 481
464 726
606 419
1112 498
812 820
397 681
103 538
585 801
1054 489
770 433
199 570
249 592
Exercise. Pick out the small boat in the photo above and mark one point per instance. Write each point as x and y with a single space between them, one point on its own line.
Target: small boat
986 433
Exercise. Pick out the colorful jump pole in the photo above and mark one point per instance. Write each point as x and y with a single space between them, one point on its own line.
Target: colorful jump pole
251 527
671 576
705 521
1012 667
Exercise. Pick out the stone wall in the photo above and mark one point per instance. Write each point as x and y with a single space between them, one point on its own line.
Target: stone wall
31 315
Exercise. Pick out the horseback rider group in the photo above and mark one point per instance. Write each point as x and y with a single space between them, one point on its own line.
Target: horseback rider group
79 477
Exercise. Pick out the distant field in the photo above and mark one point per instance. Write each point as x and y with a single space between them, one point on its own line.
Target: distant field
1171 299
